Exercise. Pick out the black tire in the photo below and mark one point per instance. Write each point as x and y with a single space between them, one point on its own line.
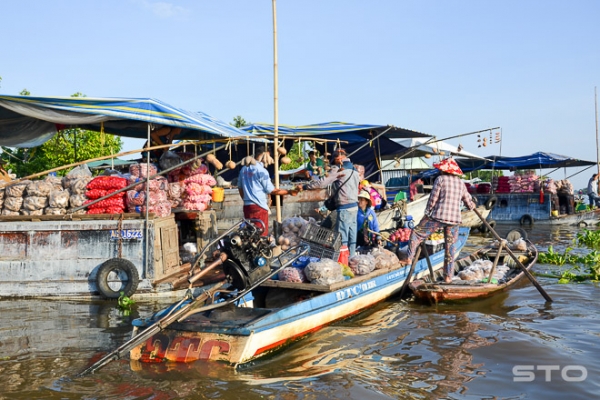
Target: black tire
515 234
491 202
526 219
118 265
484 229
475 200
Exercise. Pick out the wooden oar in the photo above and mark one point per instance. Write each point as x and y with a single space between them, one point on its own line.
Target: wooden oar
514 257
423 245
410 273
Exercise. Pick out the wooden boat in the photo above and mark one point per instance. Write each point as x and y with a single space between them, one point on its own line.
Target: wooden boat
472 220
238 334
467 290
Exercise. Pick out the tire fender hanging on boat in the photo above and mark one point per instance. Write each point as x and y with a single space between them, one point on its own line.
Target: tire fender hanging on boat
526 219
484 229
491 202
118 265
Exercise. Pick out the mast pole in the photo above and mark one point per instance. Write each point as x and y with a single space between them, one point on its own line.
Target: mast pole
276 113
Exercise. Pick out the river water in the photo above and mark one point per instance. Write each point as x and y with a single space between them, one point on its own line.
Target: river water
396 350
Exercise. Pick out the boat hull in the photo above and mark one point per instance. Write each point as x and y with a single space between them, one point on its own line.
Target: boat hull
242 336
442 292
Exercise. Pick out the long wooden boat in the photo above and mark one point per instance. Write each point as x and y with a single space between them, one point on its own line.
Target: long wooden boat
239 334
467 290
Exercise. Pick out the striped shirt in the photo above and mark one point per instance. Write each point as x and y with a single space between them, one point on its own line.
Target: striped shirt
445 198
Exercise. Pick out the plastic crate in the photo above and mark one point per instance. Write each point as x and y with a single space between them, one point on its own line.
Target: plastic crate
323 236
324 243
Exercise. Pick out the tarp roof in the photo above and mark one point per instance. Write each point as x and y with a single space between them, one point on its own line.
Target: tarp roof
27 121
532 161
354 134
539 160
360 131
421 147
412 163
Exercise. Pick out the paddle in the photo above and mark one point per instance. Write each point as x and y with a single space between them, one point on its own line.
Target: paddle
410 273
514 257
428 261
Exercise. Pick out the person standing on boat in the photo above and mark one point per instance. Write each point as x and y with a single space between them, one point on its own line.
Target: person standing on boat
366 221
254 184
443 212
344 179
592 191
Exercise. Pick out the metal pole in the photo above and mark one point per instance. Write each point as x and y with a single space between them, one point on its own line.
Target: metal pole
149 143
276 113
597 146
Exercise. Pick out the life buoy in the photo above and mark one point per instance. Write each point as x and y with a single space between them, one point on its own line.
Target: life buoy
119 266
491 202
526 219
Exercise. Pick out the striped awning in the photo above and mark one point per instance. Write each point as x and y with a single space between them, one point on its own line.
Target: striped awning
350 132
27 121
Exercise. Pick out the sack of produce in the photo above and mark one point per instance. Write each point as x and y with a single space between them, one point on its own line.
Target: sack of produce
362 264
291 274
16 189
33 203
324 272
13 204
39 188
55 181
169 159
55 210
384 258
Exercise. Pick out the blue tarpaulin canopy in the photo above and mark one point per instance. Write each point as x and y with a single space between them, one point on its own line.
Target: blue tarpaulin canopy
354 134
539 160
27 121
532 161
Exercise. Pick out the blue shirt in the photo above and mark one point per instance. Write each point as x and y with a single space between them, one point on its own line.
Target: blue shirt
255 182
370 217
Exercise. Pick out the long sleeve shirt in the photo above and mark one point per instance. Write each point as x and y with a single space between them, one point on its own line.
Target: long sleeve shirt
592 187
255 183
444 202
367 215
347 176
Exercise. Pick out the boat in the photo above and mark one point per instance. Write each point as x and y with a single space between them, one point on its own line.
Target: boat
458 289
530 205
473 221
237 333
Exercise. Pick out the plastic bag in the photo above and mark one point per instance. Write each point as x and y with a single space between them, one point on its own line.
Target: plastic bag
291 274
384 258
58 199
80 171
324 271
55 211
12 204
16 189
362 264
169 159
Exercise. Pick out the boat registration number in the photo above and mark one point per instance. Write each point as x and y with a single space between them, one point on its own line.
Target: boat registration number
134 234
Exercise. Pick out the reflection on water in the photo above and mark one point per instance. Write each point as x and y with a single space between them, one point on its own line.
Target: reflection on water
398 349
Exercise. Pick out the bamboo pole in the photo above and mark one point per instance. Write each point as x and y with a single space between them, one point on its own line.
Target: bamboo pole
597 145
276 112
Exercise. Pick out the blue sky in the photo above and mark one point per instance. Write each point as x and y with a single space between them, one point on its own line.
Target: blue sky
439 67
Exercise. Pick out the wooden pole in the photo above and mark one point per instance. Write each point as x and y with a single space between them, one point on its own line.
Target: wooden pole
276 112
597 145
514 257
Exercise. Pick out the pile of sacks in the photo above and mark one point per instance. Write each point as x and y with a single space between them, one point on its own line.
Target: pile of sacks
480 269
37 197
190 186
518 245
158 201
525 183
102 186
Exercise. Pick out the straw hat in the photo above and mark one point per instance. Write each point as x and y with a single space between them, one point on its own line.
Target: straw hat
365 195
449 166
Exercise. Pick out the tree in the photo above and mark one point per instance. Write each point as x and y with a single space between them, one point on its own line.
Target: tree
25 92
238 122
66 147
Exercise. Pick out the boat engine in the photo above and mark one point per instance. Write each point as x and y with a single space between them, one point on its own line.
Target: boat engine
248 256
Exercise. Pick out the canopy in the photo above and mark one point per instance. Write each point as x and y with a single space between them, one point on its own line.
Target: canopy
352 132
27 121
420 147
413 163
532 161
537 160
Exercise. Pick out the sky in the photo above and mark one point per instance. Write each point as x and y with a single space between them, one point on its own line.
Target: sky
440 67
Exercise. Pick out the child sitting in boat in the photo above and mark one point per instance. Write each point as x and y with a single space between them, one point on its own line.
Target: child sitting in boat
377 202
366 222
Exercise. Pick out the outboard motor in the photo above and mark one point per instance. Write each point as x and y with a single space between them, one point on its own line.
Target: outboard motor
248 256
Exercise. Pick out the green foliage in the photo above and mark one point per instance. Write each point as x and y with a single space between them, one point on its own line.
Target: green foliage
238 122
66 147
125 303
296 156
584 267
25 92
